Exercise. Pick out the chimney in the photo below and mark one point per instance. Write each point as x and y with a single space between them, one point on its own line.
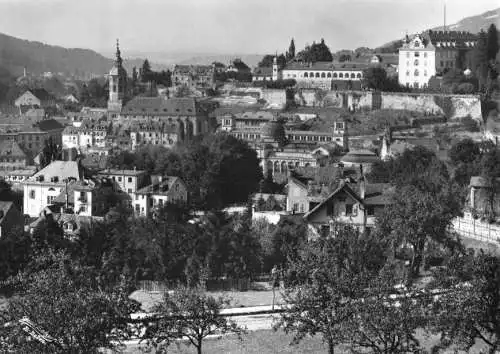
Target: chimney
24 72
362 183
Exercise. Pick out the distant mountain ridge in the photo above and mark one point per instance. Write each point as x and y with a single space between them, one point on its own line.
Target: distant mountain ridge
17 54
474 24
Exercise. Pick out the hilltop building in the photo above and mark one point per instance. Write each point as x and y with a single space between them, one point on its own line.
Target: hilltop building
432 53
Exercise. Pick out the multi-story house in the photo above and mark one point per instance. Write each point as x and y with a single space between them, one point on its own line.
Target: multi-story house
164 190
193 76
35 98
127 181
154 133
86 197
93 134
43 187
355 204
71 137
12 157
32 137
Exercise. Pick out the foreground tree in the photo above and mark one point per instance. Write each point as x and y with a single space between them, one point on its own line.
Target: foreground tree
190 313
64 302
418 216
386 323
329 278
470 310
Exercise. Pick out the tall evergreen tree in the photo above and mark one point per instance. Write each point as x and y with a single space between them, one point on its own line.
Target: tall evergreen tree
492 42
291 51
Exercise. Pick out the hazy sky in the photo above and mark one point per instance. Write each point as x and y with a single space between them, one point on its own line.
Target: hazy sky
225 26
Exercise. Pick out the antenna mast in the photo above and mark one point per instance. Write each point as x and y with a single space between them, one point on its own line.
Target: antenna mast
444 23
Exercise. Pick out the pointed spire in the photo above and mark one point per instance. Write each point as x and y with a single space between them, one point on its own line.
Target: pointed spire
118 60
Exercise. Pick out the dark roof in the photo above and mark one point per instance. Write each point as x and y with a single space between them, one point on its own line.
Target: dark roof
158 106
263 71
327 66
342 187
42 94
4 208
457 38
50 124
360 156
119 172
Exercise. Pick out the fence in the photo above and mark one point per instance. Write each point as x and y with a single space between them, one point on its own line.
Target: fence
476 229
211 284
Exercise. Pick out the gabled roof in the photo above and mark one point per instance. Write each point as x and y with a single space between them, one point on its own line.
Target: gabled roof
42 94
342 187
4 209
11 148
162 188
60 169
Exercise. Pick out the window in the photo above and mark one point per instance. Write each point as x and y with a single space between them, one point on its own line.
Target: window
417 54
295 207
50 199
305 75
348 209
301 208
407 54
130 180
415 62
323 75
119 179
425 55
32 194
370 210
335 75
129 190
425 72
341 75
416 73
407 73
317 75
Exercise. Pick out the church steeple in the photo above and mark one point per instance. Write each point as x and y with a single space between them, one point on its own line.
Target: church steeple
118 60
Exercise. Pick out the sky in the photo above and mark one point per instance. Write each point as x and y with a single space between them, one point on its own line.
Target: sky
226 26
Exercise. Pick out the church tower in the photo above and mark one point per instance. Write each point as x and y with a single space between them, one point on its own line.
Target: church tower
275 68
117 84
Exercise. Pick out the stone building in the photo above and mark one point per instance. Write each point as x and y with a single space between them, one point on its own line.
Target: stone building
187 114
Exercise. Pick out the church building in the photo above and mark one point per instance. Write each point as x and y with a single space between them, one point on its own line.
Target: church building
117 85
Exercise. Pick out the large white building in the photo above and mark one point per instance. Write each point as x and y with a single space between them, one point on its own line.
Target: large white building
417 62
41 189
432 53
